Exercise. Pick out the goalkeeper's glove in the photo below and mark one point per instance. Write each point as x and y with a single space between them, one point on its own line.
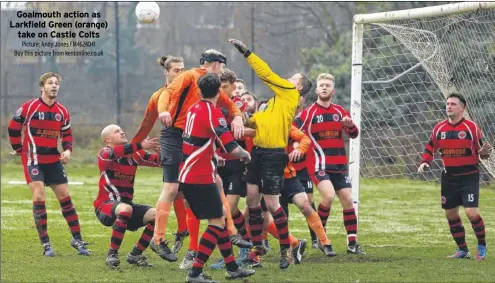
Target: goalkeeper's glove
241 47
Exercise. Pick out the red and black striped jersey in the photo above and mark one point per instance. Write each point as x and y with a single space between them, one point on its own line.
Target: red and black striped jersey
325 129
118 168
242 106
458 145
205 127
43 126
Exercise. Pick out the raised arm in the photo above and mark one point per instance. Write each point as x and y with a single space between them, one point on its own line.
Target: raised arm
149 118
280 86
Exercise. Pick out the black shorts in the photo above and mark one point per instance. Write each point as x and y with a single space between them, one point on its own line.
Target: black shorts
460 190
50 173
267 167
307 185
233 178
291 188
171 153
204 200
105 212
339 180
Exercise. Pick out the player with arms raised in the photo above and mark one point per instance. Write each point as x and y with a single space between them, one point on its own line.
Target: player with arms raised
206 126
325 123
44 121
461 144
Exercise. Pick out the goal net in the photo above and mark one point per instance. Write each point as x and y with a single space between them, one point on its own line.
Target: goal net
405 63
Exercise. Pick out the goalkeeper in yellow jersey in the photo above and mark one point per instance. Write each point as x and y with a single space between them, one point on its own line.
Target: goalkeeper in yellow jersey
269 157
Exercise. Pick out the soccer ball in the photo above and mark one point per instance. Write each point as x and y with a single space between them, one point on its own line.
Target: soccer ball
147 12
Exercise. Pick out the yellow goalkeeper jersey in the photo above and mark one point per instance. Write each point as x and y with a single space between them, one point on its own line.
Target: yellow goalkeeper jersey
273 124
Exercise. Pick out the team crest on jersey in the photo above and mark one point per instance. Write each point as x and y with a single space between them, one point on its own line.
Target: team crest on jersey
222 122
19 112
336 117
321 173
444 200
35 172
238 103
462 135
58 117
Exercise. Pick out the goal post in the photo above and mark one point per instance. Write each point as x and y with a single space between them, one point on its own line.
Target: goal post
404 64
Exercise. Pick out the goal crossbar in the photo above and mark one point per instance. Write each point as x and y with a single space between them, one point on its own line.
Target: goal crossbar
426 12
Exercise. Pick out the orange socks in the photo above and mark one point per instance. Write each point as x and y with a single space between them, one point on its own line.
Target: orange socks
180 213
193 226
161 220
315 223
228 214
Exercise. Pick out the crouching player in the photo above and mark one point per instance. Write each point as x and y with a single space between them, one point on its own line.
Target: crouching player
205 125
118 162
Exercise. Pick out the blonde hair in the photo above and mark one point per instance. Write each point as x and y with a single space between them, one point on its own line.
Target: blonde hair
325 76
48 75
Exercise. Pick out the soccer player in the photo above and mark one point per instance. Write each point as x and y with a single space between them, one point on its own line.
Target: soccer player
250 100
294 192
206 126
44 121
230 171
461 144
269 156
118 162
172 67
325 123
172 105
303 176
240 88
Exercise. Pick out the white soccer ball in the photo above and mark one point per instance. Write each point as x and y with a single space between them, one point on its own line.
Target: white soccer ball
147 12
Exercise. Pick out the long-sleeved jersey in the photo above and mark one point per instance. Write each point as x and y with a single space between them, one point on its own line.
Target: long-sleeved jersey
325 129
458 145
43 126
184 92
118 168
205 125
149 117
273 124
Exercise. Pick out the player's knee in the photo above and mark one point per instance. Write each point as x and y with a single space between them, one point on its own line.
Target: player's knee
150 215
472 214
38 191
219 222
452 214
310 198
171 189
123 208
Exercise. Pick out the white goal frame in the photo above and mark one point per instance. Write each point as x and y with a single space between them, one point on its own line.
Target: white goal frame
357 68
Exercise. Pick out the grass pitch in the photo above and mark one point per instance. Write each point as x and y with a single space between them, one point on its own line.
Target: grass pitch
402 228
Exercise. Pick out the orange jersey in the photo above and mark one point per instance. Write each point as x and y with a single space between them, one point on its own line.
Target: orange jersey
183 92
150 116
304 143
